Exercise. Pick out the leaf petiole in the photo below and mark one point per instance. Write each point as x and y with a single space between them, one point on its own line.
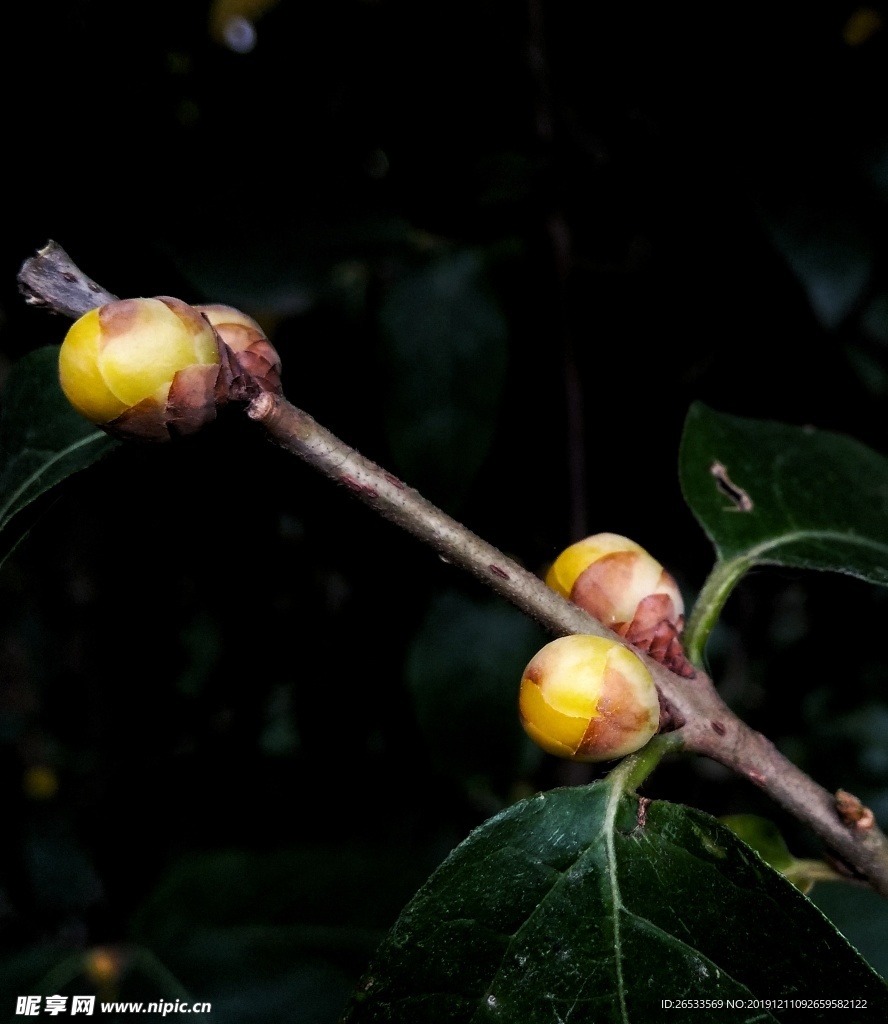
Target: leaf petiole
710 601
631 772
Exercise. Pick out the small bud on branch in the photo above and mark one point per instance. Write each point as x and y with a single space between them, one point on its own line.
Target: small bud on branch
588 699
618 582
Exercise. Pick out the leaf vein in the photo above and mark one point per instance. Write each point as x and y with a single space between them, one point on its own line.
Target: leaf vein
35 476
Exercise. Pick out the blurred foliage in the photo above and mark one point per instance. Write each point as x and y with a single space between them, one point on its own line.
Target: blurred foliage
217 670
461 669
445 344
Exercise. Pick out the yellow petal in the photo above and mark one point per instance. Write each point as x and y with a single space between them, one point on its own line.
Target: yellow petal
79 373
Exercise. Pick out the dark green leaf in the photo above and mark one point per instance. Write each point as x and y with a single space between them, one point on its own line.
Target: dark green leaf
42 442
574 906
767 493
446 343
464 669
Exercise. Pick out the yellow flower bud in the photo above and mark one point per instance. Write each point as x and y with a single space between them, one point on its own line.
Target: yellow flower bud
620 584
588 699
253 352
142 368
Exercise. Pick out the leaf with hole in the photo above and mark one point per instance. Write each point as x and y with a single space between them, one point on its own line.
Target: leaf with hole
771 494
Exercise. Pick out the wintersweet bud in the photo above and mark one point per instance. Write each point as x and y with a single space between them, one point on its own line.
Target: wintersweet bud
620 584
587 698
254 353
143 368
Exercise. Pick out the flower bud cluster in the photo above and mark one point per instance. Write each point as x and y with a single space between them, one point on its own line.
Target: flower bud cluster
620 584
155 368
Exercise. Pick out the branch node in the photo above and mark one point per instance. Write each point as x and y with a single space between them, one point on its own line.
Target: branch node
261 407
852 811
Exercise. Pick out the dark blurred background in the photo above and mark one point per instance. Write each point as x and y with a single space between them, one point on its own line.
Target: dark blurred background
501 248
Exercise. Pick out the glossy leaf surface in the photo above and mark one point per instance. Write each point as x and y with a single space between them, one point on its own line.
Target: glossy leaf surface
769 493
579 905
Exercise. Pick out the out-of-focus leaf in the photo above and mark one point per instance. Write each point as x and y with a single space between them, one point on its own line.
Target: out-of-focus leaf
273 273
765 838
43 441
445 339
771 494
464 668
876 167
59 868
580 905
829 255
251 975
313 888
202 640
861 915
294 928
870 370
874 319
